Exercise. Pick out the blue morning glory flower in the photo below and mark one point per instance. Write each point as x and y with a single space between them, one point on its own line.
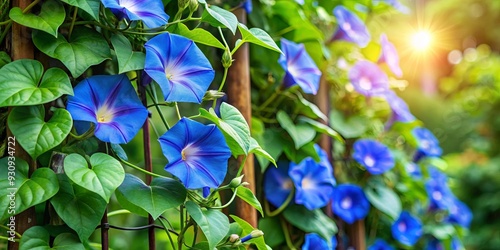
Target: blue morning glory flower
427 144
368 79
197 154
400 110
440 195
314 242
380 244
277 184
435 244
390 56
350 27
179 67
349 202
373 155
395 4
111 103
248 6
151 12
459 213
299 66
413 170
407 229
314 181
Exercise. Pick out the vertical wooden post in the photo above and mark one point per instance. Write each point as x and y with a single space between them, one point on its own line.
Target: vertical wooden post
238 93
21 47
148 162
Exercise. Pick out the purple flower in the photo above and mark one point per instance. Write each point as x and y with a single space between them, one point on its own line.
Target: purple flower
407 229
299 66
459 213
368 79
197 154
179 67
349 202
277 184
351 28
390 56
373 155
380 244
247 5
111 103
151 12
313 242
314 181
400 110
395 4
427 144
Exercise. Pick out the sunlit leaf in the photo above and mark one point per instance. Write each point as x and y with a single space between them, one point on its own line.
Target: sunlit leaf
50 18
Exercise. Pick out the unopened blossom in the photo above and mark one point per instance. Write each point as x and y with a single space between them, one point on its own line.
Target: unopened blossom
299 67
179 67
151 12
111 103
197 154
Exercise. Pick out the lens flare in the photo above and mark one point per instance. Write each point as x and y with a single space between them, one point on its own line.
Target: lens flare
421 40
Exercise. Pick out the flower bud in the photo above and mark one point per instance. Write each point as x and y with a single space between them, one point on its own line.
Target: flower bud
234 238
236 182
254 234
227 59
211 95
183 4
193 6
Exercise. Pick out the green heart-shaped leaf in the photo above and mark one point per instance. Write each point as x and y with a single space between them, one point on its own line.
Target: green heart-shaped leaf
4 58
259 37
162 194
314 221
38 238
50 18
247 195
85 48
213 223
103 177
219 17
89 6
384 199
36 135
198 35
233 126
25 191
128 59
258 151
82 210
300 133
24 83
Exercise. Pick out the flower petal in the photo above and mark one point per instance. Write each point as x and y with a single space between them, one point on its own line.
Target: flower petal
151 12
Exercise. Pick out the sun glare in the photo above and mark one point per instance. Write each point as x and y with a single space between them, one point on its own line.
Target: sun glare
421 40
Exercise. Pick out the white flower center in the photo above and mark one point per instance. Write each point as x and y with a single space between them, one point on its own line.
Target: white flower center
402 226
307 183
346 26
129 5
369 161
188 152
288 184
437 195
346 203
365 83
425 144
104 114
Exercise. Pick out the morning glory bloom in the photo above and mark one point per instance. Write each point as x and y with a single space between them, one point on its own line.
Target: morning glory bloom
395 4
373 155
314 181
368 79
111 103
277 184
435 244
390 56
247 5
380 244
407 229
440 195
179 67
400 110
459 213
313 242
413 170
350 27
427 144
299 66
349 202
197 154
151 12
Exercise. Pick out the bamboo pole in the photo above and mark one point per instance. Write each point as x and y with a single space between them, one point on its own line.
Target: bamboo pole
21 47
238 93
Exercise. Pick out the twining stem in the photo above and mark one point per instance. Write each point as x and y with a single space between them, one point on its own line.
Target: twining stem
223 81
288 240
139 169
269 100
72 22
152 94
119 212
240 169
17 234
281 208
85 135
7 239
168 232
178 111
229 202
